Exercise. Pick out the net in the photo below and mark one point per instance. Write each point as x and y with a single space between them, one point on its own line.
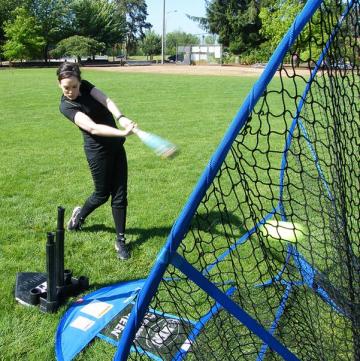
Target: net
263 263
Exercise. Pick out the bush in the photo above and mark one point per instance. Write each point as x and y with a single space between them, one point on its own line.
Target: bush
228 58
255 56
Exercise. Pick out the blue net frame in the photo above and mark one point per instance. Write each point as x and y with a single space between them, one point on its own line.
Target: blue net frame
248 294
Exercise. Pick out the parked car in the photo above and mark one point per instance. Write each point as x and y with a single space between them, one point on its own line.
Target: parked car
337 64
174 58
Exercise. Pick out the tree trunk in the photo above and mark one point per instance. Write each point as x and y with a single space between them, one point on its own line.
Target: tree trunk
45 54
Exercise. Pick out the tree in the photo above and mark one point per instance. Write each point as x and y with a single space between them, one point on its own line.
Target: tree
6 8
236 22
276 20
151 44
176 38
279 16
136 25
99 19
22 34
54 18
77 46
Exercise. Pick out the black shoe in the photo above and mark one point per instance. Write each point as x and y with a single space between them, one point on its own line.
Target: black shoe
122 249
75 222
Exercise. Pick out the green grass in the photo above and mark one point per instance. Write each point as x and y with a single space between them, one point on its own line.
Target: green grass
43 166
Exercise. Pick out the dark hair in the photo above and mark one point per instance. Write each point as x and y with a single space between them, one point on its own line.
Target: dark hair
68 70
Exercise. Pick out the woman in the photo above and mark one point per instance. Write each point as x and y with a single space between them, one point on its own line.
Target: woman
93 112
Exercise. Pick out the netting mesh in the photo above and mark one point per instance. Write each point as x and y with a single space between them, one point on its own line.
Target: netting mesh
295 160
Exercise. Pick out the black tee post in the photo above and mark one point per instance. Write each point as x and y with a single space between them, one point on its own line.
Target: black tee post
60 248
50 268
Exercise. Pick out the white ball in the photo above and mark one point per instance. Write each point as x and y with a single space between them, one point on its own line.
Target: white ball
283 231
276 236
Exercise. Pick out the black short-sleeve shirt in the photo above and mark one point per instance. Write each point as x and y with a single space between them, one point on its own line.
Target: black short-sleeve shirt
98 113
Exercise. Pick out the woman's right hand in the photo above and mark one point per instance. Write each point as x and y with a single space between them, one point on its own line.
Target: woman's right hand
129 128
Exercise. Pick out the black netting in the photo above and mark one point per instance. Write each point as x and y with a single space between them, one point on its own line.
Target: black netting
296 160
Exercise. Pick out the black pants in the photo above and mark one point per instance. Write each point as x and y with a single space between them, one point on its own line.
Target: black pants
109 172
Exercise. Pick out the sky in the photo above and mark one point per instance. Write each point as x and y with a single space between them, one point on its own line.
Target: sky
175 15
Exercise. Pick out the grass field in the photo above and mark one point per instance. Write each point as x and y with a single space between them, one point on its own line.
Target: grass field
43 166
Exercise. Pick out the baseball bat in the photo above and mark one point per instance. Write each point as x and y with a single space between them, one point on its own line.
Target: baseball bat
160 146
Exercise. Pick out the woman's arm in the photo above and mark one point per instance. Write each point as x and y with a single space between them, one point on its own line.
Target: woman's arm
87 124
111 106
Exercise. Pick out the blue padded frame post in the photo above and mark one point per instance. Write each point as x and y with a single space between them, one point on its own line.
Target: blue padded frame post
181 226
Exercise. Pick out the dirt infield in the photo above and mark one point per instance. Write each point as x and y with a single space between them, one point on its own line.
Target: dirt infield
186 69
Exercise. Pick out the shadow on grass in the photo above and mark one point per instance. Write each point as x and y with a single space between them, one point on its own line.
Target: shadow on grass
98 228
210 222
136 236
213 222
218 223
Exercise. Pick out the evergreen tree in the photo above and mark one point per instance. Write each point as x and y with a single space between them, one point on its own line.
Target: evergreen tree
136 25
236 22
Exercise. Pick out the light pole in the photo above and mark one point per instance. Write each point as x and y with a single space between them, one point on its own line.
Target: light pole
169 12
163 35
163 38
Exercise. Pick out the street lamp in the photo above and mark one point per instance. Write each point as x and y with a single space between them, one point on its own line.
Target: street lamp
163 38
163 35
169 12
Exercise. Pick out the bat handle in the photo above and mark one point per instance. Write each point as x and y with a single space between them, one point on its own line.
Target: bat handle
140 133
136 130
